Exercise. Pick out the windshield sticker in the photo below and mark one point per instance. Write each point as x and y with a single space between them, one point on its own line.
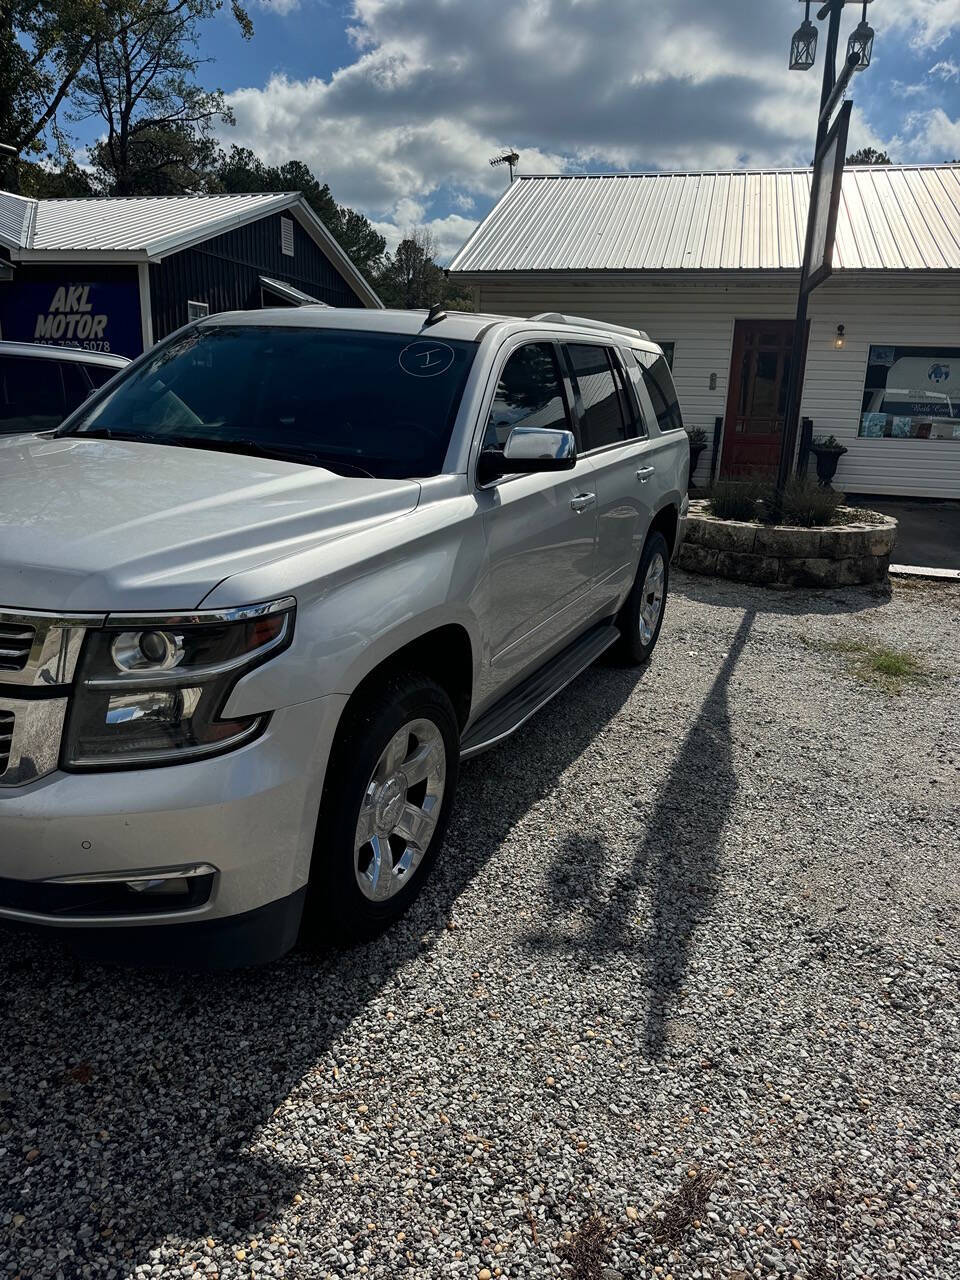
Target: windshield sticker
426 359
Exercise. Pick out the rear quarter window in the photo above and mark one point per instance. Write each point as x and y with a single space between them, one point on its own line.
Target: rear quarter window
100 373
658 380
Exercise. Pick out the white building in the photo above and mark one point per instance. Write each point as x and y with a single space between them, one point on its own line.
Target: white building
708 264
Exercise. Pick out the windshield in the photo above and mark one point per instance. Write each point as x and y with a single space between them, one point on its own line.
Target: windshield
380 404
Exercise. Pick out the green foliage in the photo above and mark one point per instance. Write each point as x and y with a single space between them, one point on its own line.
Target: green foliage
808 504
827 442
804 502
240 170
47 183
889 669
140 79
360 239
696 435
411 278
734 500
868 155
44 44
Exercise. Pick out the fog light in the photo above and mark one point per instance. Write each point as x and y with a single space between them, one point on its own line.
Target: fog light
172 885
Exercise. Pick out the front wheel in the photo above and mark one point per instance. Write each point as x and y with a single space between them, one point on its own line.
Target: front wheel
387 797
641 617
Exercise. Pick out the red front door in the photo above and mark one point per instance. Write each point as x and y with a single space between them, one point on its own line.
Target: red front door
759 372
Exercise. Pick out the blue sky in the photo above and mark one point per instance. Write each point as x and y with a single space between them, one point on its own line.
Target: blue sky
400 103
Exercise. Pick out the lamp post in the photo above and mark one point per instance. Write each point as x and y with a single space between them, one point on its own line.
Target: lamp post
803 49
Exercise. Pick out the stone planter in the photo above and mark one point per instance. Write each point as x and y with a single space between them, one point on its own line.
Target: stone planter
784 556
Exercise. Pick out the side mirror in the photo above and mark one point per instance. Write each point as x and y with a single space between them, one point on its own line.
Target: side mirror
528 450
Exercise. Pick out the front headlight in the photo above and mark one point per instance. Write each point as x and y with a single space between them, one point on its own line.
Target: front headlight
151 690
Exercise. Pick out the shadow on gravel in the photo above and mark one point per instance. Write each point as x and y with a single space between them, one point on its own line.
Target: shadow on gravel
129 1101
792 603
676 862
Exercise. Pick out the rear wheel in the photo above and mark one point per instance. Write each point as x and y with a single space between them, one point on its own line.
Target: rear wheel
642 615
387 798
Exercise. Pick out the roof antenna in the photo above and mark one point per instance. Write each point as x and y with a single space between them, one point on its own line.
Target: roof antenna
509 158
434 316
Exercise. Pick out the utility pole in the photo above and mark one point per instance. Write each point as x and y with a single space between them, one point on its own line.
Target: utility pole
803 52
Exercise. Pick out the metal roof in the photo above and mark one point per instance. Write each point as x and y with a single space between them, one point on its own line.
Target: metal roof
143 228
288 292
15 213
892 217
139 223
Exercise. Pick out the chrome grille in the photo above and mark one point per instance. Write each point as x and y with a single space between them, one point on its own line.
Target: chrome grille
41 649
16 641
6 739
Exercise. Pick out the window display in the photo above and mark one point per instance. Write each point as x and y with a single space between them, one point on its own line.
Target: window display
912 393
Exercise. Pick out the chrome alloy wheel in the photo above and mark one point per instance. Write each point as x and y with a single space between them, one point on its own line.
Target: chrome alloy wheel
399 810
651 599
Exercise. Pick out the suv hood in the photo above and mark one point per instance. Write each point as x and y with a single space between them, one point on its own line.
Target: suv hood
97 525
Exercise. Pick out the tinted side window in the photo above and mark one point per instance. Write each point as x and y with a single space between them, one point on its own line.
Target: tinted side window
529 394
601 419
659 383
31 394
75 384
99 373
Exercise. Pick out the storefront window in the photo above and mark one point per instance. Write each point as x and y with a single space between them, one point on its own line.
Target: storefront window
912 393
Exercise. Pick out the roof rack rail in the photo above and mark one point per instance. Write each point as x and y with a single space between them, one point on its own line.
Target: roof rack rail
557 317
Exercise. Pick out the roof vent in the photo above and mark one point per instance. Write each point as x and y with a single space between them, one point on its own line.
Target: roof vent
286 236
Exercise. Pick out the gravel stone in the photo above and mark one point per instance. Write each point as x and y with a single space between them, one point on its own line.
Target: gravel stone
680 1000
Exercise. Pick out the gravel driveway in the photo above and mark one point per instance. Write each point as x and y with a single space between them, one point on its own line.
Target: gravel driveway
682 1000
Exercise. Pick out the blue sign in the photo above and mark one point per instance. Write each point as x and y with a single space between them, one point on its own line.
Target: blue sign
85 314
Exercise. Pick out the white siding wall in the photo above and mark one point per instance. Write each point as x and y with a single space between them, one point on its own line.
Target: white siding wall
699 317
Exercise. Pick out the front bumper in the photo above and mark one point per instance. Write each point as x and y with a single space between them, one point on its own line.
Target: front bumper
251 814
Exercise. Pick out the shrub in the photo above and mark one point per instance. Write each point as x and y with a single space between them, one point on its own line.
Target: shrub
807 503
733 500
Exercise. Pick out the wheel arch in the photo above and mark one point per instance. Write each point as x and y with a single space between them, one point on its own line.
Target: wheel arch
445 654
667 522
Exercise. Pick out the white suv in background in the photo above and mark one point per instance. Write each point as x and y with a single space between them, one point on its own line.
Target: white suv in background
40 385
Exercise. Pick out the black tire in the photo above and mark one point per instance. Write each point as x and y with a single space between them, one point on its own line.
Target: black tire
634 648
337 908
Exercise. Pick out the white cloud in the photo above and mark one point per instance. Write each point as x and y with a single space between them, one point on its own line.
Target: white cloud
281 7
902 90
946 69
405 131
928 22
928 135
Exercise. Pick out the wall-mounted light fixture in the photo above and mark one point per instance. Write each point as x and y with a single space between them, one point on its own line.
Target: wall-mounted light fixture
840 341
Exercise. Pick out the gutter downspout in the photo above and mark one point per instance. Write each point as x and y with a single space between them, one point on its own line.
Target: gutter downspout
146 312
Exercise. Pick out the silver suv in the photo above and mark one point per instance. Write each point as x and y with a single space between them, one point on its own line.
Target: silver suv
262 593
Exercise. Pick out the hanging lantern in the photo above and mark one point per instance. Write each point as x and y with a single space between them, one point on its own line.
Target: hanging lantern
861 40
803 46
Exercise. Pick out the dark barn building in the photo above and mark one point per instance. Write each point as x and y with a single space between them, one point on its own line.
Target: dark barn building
119 274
